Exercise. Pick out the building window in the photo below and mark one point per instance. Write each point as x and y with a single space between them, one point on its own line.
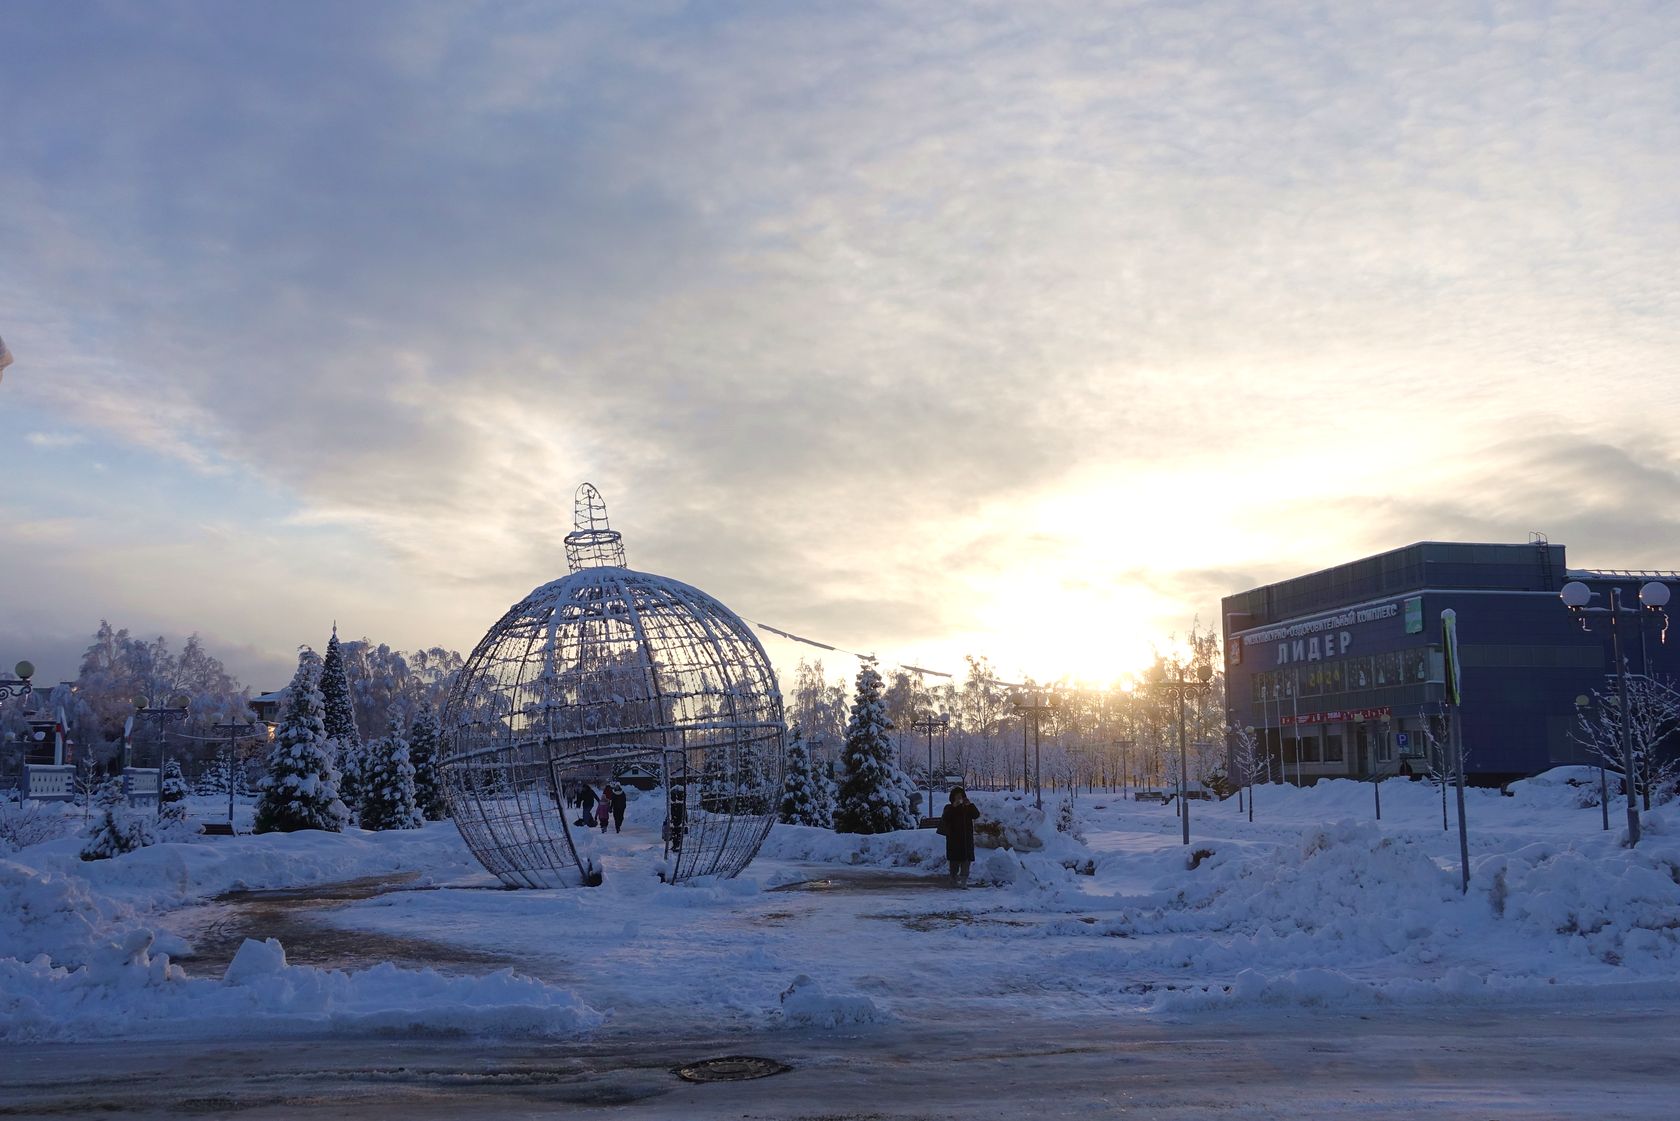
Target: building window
1359 673
1332 748
1386 669
1385 747
1309 749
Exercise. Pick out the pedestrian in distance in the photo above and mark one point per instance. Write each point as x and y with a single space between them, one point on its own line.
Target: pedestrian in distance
620 801
956 825
603 811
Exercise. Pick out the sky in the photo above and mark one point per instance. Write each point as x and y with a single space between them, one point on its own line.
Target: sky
1021 331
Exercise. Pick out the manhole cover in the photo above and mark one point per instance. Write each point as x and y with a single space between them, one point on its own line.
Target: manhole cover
732 1068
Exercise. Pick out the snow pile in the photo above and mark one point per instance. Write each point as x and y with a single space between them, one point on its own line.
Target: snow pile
126 988
56 915
172 874
805 1004
1624 910
902 848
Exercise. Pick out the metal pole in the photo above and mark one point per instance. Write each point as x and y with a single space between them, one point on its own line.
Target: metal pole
1038 786
1624 716
1024 778
1456 733
1183 799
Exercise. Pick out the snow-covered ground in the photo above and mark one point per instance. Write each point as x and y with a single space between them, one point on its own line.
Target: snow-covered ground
1314 904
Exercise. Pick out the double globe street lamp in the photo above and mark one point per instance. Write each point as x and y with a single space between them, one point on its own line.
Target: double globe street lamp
1653 598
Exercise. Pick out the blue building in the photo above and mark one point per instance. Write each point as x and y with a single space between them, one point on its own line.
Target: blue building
1340 672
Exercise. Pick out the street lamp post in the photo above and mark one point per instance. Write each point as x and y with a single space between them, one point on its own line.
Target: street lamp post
1037 702
929 724
1253 753
161 716
1653 597
1179 687
236 730
1582 703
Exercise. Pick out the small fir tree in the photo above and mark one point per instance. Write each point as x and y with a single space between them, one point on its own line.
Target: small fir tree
300 790
425 739
807 797
117 829
338 715
172 812
388 790
874 793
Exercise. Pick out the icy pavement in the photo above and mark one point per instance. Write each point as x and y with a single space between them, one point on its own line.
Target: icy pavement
1315 906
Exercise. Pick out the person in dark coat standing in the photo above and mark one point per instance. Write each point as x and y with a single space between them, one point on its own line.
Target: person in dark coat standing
586 803
620 801
957 824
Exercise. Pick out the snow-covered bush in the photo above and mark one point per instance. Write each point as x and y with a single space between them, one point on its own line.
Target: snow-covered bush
388 784
30 823
115 828
172 812
300 790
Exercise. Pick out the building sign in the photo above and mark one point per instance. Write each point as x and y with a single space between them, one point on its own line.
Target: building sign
1414 615
1314 640
1337 716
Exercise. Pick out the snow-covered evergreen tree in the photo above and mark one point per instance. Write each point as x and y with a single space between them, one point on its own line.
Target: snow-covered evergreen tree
806 795
874 793
212 778
338 715
172 813
300 790
116 829
388 784
425 740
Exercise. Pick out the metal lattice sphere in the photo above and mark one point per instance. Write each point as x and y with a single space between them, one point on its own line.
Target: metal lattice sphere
604 672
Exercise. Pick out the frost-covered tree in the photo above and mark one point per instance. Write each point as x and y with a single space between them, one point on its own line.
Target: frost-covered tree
300 790
874 794
338 716
425 741
388 794
807 798
115 829
172 812
118 667
1654 707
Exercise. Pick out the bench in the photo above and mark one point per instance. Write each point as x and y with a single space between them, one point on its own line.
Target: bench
1160 796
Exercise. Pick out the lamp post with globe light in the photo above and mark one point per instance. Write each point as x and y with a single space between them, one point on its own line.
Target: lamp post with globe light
931 724
1653 598
161 716
1038 702
1179 687
20 687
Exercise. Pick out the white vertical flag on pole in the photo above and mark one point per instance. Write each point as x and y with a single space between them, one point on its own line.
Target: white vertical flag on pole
5 358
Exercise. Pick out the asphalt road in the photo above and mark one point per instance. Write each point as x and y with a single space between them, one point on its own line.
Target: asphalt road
1484 1063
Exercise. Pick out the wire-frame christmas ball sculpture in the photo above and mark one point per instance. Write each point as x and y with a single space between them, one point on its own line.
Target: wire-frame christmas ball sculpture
596 673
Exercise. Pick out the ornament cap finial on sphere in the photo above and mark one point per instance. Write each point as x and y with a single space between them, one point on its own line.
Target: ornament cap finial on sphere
593 543
603 674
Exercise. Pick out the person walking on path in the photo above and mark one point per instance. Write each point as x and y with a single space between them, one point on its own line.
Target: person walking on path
620 801
586 803
603 811
957 825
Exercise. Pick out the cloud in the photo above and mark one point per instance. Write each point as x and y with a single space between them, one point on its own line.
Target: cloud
828 299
